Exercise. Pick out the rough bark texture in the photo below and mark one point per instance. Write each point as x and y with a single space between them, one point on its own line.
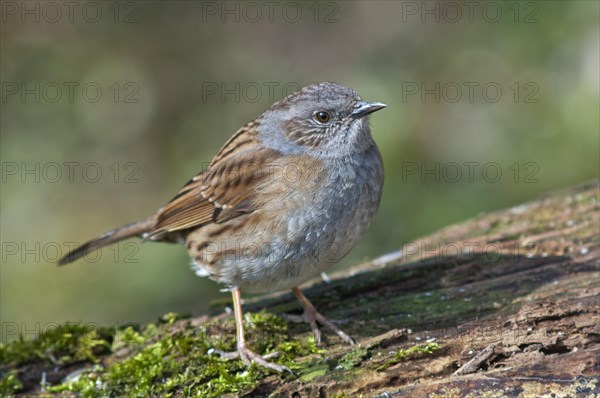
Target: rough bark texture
511 297
505 304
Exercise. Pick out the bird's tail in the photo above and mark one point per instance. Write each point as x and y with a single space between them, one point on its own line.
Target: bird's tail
108 238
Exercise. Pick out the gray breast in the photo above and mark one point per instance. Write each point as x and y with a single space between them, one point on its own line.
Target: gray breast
318 229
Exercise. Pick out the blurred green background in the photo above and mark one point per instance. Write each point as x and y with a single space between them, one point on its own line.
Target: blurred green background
178 78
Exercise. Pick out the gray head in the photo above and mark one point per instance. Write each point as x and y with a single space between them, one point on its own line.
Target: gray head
327 118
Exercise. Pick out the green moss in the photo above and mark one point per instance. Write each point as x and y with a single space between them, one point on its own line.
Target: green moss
129 337
423 310
178 363
62 345
171 317
310 373
10 384
339 395
171 358
416 351
352 358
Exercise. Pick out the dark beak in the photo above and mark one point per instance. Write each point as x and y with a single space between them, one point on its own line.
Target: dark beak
364 108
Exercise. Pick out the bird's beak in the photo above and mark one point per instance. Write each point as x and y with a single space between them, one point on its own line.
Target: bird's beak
364 108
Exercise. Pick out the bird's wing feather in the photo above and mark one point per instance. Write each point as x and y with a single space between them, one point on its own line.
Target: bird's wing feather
224 190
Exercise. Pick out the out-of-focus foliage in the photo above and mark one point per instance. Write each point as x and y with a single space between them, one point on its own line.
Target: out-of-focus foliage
178 79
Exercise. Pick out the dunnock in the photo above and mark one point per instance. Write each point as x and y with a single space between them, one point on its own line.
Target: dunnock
286 198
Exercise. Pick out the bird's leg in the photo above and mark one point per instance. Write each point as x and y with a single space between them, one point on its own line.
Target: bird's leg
312 316
244 352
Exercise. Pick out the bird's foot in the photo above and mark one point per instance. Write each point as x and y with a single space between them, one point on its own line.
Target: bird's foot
249 356
312 316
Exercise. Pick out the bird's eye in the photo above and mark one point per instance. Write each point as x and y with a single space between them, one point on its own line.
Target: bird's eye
322 117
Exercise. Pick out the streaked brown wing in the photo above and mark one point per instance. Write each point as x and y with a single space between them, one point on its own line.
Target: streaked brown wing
221 192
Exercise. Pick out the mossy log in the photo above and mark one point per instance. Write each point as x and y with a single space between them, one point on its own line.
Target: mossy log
505 304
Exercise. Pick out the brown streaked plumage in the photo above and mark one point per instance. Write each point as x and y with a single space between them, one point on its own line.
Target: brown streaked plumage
286 197
215 194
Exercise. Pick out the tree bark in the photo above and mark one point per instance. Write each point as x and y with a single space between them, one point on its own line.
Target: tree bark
511 297
505 304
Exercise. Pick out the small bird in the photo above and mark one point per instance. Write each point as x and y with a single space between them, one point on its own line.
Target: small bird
286 198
